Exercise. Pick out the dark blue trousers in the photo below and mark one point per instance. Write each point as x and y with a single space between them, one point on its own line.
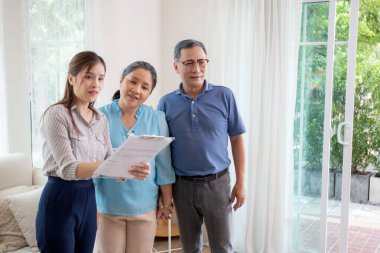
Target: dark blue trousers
66 217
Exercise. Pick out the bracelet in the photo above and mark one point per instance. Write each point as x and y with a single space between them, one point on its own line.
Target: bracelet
169 206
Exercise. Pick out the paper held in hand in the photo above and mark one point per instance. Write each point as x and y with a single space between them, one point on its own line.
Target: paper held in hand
133 151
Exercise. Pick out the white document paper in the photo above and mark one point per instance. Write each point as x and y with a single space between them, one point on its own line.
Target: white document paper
133 151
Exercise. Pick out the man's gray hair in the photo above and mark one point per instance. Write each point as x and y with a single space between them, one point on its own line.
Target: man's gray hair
187 44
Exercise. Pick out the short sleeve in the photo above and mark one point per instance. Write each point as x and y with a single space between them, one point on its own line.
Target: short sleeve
235 121
164 169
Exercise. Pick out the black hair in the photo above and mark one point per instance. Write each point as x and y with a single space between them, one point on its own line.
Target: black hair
132 67
116 95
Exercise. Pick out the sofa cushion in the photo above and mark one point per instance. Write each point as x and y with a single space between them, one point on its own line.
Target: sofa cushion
15 169
11 236
24 208
39 177
22 250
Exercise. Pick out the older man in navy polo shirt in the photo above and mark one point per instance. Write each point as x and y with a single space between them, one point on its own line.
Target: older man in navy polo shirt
202 116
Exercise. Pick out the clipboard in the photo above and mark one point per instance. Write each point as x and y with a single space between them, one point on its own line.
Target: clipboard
133 151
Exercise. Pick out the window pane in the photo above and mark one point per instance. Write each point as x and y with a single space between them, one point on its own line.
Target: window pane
364 226
56 34
342 20
308 139
308 127
315 22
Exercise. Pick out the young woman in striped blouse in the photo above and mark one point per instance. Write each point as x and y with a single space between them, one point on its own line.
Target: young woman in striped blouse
76 141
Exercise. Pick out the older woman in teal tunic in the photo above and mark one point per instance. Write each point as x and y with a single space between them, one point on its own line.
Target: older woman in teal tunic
128 209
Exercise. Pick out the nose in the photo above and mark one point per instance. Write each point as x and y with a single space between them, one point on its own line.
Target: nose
136 90
195 68
96 82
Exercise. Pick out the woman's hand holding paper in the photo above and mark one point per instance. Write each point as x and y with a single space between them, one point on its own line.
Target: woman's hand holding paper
141 171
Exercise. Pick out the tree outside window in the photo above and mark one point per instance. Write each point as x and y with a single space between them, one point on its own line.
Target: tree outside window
56 33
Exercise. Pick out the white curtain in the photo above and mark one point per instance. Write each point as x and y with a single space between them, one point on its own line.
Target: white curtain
229 45
51 46
253 47
3 97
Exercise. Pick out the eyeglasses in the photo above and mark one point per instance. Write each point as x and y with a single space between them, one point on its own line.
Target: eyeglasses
189 64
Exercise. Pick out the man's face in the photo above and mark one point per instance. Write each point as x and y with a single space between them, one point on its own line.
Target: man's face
192 67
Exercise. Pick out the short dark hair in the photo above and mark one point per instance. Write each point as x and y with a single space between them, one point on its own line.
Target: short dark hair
187 44
132 67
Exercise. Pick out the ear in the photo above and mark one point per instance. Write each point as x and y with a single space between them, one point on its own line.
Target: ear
175 65
70 78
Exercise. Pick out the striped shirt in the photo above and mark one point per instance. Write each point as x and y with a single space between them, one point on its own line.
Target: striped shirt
64 147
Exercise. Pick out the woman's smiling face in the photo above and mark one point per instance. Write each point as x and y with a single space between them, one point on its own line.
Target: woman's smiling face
136 87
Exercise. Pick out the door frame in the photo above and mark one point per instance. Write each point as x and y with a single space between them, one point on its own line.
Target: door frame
347 125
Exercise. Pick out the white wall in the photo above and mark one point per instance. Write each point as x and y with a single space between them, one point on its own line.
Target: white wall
3 99
180 20
16 75
123 32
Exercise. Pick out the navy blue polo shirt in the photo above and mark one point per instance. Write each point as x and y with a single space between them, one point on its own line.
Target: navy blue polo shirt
201 128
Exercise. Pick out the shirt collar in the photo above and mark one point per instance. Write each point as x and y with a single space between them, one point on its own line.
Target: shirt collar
115 105
94 120
208 86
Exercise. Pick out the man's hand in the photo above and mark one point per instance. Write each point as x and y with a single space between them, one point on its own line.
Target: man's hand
238 193
141 171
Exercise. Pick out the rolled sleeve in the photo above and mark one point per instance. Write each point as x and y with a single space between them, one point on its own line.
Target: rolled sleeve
69 172
58 146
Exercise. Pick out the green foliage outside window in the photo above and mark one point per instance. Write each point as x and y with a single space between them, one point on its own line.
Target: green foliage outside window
56 33
312 71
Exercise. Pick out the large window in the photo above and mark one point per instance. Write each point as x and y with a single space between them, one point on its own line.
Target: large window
312 98
56 33
310 113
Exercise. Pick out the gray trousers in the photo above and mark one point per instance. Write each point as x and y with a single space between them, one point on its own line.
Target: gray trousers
200 201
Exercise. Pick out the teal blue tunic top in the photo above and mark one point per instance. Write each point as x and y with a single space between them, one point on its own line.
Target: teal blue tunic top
133 197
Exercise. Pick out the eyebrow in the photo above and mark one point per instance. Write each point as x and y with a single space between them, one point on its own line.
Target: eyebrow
137 79
92 73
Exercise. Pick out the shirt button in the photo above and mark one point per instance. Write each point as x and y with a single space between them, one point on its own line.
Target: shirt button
193 102
193 115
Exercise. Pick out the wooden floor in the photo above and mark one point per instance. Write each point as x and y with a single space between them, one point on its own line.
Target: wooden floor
161 245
